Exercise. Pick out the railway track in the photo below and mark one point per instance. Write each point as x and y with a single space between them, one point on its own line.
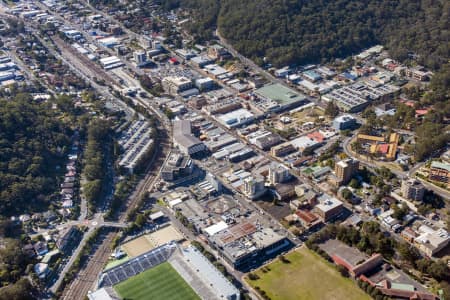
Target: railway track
87 277
88 67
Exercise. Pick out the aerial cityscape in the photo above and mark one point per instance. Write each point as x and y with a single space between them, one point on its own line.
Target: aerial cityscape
224 149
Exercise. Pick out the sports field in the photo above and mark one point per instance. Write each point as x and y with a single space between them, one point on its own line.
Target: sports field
306 277
159 283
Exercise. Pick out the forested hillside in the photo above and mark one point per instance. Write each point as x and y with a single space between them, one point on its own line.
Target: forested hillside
32 141
301 31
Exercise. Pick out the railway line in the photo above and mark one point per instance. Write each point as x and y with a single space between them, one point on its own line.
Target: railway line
89 71
87 277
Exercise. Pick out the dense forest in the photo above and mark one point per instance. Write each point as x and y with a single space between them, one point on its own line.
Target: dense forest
299 31
32 142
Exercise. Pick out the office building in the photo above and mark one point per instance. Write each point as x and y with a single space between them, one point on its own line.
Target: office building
412 190
282 150
440 172
174 84
254 187
245 246
184 140
204 84
176 167
328 208
140 57
345 169
344 122
431 241
278 173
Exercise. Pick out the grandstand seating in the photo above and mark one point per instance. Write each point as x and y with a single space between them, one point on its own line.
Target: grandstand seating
137 265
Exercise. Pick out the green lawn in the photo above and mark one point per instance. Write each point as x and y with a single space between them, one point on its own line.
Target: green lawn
159 283
306 277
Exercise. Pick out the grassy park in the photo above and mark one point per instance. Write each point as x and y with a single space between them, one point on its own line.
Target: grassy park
304 276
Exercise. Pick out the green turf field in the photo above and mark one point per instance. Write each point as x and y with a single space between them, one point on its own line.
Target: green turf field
306 277
159 283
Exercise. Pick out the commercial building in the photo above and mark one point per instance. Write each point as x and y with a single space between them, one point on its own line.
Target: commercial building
254 187
283 192
218 52
140 57
245 246
185 54
305 144
111 62
204 84
412 189
356 97
176 167
109 42
236 118
184 139
73 34
282 73
328 208
440 172
282 150
277 97
222 107
175 85
311 75
201 61
344 122
345 169
217 72
431 241
264 139
278 173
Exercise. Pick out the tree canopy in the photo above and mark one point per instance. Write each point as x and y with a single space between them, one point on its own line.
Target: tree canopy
300 31
32 142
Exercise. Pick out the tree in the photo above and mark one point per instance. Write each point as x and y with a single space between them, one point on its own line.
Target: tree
140 220
356 147
408 253
21 290
332 109
346 194
343 271
439 270
400 212
354 183
283 259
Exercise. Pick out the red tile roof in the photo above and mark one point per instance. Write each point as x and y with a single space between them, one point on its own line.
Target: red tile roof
316 136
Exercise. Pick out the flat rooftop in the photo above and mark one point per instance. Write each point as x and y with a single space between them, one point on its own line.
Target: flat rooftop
327 204
210 275
280 94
